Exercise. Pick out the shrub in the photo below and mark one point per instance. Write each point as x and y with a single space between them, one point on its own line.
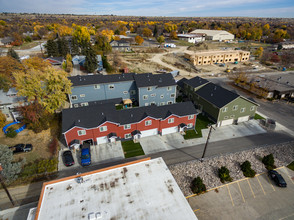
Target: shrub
197 186
246 168
11 133
224 174
39 167
269 161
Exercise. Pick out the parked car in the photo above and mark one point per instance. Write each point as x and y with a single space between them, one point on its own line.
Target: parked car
279 180
85 155
21 148
68 158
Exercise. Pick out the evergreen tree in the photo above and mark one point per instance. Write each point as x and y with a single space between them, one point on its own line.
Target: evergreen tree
13 54
52 48
75 50
91 62
63 48
155 31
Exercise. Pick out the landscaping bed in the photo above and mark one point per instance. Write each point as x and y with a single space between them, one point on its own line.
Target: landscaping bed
132 149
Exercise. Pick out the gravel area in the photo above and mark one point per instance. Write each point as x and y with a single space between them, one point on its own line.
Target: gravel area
185 172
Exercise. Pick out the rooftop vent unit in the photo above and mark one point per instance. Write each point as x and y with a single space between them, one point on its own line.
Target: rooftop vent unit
80 179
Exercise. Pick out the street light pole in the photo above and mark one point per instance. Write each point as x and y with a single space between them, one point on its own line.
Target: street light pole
4 187
204 151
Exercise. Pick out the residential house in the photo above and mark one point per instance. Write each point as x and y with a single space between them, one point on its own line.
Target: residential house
55 60
192 38
142 89
102 123
79 60
121 45
222 106
218 35
6 41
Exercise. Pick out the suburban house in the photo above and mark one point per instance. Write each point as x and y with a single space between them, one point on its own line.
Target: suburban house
141 89
222 106
121 45
218 35
55 60
79 60
218 56
6 41
287 45
140 189
100 124
192 38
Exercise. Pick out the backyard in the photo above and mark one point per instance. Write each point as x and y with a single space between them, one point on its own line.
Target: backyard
201 123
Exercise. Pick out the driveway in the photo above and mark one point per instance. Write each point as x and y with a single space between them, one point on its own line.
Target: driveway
249 198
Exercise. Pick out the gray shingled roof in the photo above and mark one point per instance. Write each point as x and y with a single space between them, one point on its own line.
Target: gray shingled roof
196 81
181 82
93 116
160 80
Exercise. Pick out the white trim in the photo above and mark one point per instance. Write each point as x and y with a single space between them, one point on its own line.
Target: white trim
82 95
103 127
84 132
148 121
172 120
190 125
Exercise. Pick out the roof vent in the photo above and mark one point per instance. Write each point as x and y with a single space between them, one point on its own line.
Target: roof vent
79 120
211 94
80 179
102 113
131 115
215 88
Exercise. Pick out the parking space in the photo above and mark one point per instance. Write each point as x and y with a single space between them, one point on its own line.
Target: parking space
102 153
249 198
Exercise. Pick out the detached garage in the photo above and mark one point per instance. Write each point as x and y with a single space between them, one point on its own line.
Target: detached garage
169 130
149 132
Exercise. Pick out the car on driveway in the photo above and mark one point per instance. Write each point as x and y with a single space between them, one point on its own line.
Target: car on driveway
279 180
68 158
19 148
85 155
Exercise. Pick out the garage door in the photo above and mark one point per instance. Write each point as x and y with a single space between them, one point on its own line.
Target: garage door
169 130
102 140
227 122
149 132
245 118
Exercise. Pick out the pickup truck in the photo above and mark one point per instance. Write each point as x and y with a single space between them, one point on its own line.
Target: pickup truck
85 155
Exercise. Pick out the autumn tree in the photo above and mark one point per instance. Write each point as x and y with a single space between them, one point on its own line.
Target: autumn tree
108 34
36 63
160 39
169 27
259 52
2 119
12 54
173 35
147 32
68 66
81 34
287 58
102 44
139 40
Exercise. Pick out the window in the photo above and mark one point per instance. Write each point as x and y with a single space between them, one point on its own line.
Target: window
149 88
226 117
74 97
161 96
190 117
146 104
81 132
97 86
84 104
76 105
171 120
125 92
169 102
103 128
235 107
232 116
169 88
111 86
153 95
82 95
145 97
190 125
252 108
126 127
128 136
148 122
172 95
225 109
242 110
162 103
133 92
152 103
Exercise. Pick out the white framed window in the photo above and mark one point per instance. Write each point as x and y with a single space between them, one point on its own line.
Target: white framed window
242 110
148 122
84 104
232 116
111 86
162 103
161 96
128 136
149 88
190 125
133 92
97 86
190 117
169 102
169 88
252 108
145 97
103 128
125 92
74 97
126 127
235 107
153 95
171 120
76 105
225 109
226 117
82 95
172 95
146 104
81 132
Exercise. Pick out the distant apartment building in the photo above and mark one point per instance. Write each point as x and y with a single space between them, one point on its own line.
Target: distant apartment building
211 57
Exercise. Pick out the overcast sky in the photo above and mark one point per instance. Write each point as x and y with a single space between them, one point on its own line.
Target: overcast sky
187 8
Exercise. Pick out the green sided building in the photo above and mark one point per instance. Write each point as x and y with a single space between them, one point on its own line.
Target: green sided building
222 106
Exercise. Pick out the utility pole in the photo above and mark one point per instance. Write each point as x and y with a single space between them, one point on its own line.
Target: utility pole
204 151
4 187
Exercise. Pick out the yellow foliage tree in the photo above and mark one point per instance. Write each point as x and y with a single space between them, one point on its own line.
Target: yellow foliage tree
147 32
64 31
36 63
139 40
169 27
116 38
81 34
108 34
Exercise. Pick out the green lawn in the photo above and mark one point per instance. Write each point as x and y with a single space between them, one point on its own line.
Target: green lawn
291 166
132 149
257 116
201 123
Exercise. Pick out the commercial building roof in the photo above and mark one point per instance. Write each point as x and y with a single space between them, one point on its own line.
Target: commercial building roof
209 32
138 190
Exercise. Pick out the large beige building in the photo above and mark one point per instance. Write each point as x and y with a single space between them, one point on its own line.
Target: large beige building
221 56
219 35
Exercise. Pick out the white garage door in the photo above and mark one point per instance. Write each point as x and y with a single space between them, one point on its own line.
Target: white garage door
245 118
102 140
227 122
149 132
169 130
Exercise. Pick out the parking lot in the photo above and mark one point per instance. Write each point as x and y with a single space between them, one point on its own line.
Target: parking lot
249 198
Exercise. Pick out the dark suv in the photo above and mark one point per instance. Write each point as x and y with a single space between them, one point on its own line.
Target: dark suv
21 148
279 180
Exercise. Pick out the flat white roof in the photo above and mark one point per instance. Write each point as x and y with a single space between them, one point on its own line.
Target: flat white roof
144 190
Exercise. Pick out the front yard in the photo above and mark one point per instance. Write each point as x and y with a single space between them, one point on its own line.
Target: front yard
201 123
132 149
